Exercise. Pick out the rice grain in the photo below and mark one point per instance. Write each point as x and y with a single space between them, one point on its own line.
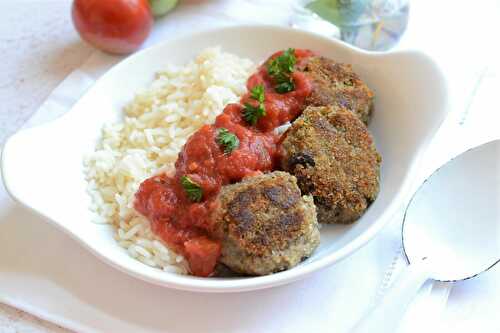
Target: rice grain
155 125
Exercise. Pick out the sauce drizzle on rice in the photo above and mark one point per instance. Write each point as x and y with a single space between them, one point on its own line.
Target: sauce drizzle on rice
147 139
186 226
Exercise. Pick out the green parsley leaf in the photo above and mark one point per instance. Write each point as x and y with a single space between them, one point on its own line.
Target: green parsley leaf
282 64
253 113
285 87
289 59
229 141
280 69
257 93
193 191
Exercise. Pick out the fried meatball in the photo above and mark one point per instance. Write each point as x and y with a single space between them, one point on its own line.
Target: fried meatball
336 84
333 156
266 225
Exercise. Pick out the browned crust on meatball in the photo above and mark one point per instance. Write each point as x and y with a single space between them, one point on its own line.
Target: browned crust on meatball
267 226
334 158
336 84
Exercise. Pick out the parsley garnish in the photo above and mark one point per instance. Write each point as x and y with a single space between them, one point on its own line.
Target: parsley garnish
253 113
257 93
284 87
229 141
280 69
193 190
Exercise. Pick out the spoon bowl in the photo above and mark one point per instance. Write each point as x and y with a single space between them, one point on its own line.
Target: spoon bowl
451 231
453 221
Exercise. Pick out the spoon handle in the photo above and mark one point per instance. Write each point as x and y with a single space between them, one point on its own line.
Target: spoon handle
385 316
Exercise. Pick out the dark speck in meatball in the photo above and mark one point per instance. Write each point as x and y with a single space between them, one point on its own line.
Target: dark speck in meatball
344 178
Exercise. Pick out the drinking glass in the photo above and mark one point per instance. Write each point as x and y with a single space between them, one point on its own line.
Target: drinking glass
375 25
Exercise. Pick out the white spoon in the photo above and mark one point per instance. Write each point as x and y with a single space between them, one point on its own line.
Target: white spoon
451 232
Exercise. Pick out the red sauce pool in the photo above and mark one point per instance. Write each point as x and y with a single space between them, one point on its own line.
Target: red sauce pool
185 225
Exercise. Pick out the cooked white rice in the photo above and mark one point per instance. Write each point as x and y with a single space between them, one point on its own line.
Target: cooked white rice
155 126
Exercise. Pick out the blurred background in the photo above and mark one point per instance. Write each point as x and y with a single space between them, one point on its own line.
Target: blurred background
39 42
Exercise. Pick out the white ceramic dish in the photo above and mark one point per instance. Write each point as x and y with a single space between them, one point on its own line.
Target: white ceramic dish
42 166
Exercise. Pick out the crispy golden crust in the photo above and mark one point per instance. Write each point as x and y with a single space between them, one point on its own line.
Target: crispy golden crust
267 225
333 156
252 209
336 84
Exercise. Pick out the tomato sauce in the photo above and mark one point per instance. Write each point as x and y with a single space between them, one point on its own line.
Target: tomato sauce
185 225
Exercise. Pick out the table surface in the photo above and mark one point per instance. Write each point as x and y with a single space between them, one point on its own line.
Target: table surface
37 54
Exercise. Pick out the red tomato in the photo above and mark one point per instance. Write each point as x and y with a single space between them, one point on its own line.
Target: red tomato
202 254
116 26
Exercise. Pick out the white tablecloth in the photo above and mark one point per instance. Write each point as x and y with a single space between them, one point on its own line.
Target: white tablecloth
329 301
